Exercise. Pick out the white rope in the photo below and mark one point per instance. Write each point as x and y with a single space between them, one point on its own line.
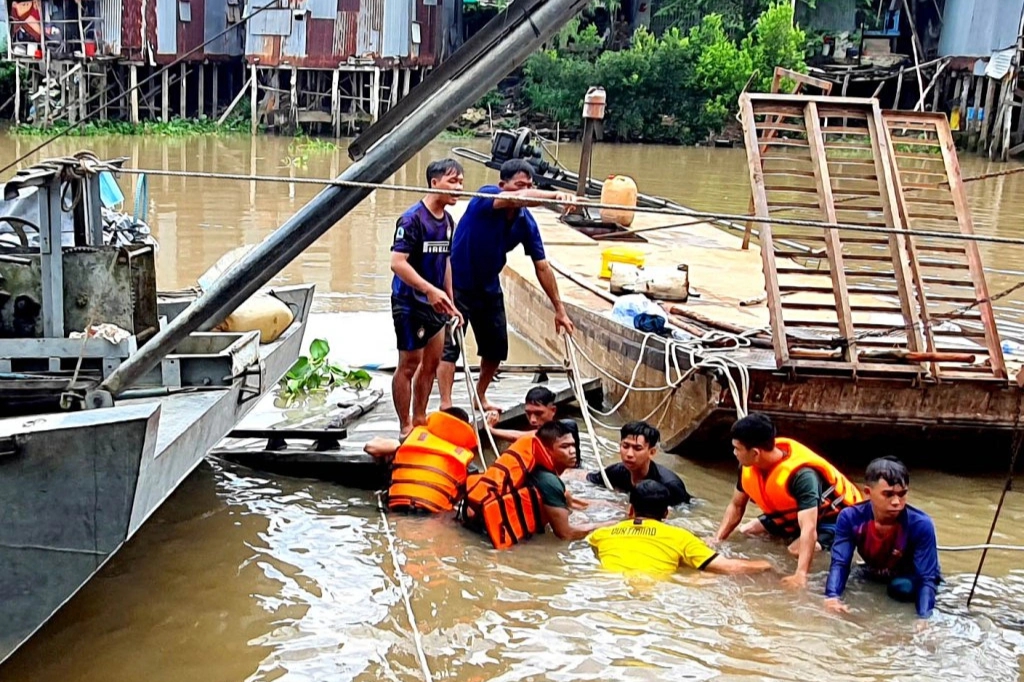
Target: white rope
577 387
975 548
401 578
474 398
700 356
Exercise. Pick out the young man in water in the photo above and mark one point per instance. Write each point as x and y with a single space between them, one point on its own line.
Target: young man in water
798 491
644 543
896 541
421 292
488 230
557 503
540 408
638 443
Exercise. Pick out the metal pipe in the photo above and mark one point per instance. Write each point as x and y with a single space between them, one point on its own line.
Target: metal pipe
333 203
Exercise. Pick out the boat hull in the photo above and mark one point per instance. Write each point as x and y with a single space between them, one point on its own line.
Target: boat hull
77 486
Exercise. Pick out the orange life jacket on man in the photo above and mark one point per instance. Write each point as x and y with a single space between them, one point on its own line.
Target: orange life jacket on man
429 469
501 502
770 491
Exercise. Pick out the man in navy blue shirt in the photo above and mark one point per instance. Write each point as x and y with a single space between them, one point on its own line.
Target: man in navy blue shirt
896 541
421 292
488 230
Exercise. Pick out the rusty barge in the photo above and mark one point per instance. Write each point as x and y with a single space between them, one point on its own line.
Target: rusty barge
870 340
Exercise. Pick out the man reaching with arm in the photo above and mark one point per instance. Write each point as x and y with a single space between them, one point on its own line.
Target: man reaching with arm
488 230
799 492
644 543
555 501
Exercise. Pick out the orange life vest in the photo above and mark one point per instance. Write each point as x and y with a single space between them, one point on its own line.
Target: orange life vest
501 502
771 493
429 469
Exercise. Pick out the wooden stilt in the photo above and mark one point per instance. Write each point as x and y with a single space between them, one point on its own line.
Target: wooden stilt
394 86
182 91
998 124
201 111
899 90
215 93
336 102
133 84
82 90
406 82
937 91
165 95
965 90
293 108
104 86
17 93
253 100
973 124
375 94
987 113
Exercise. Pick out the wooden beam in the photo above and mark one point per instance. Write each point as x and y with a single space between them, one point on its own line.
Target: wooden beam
884 169
833 246
987 113
215 93
234 103
183 91
771 279
202 91
915 45
133 83
165 96
963 214
336 102
253 99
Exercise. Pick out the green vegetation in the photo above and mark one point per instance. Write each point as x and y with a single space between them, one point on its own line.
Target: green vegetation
316 373
178 127
677 88
304 146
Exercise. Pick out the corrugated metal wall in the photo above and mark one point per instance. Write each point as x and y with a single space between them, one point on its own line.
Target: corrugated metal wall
371 18
131 29
331 32
166 26
397 16
976 28
191 20
110 11
215 20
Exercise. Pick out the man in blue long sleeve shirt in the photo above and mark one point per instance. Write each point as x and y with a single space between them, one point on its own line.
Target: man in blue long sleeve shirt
896 541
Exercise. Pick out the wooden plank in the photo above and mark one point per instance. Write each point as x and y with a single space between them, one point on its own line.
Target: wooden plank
833 247
897 242
963 214
764 231
800 79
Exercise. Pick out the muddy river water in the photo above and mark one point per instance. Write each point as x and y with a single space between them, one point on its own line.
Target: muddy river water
248 576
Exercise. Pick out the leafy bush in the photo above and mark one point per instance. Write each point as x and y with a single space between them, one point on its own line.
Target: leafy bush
677 88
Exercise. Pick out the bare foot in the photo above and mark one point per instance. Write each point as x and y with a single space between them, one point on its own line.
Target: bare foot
444 406
488 407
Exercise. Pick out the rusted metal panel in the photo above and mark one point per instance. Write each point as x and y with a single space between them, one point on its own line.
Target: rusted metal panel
150 39
131 29
262 49
371 18
166 26
320 42
432 30
293 46
345 29
191 31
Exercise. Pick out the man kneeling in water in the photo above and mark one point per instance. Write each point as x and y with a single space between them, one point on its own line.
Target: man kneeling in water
643 543
896 541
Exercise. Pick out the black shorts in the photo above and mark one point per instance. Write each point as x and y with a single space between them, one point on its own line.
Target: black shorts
485 313
415 323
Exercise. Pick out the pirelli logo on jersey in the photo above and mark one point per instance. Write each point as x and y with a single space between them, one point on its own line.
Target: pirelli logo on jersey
436 247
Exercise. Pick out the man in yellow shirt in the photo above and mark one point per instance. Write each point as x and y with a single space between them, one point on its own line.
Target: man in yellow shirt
644 544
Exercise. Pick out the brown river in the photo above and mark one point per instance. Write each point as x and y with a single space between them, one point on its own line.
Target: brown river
248 576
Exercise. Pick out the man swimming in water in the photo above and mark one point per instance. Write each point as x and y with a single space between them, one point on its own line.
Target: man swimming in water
896 541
